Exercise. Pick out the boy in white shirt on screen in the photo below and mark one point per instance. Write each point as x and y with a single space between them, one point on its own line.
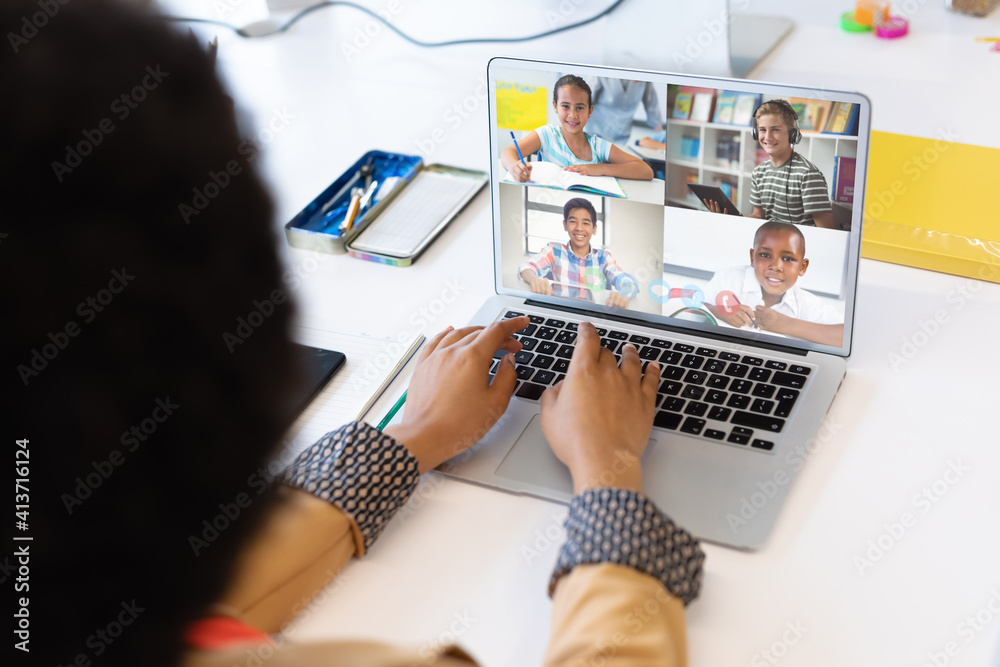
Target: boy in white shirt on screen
764 295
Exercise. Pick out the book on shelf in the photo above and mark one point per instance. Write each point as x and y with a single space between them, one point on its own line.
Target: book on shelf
724 104
728 189
800 114
746 104
843 179
701 107
682 106
852 125
552 176
812 113
843 117
690 147
727 151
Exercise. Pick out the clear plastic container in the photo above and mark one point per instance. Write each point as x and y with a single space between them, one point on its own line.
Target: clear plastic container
974 7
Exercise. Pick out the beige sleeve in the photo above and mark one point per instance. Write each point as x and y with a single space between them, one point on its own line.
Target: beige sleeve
328 654
300 548
612 615
303 544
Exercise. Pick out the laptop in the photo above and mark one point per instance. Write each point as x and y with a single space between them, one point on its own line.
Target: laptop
737 406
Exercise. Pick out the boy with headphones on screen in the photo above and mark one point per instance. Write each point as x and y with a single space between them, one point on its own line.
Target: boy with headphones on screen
787 187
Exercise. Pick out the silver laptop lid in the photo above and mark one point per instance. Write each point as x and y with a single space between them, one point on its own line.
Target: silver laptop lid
645 247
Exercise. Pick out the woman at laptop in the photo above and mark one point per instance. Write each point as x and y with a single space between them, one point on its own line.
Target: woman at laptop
158 537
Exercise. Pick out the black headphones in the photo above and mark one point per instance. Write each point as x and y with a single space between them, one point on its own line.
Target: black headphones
794 134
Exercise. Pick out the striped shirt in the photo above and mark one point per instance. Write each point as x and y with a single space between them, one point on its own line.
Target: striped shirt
598 270
793 192
554 148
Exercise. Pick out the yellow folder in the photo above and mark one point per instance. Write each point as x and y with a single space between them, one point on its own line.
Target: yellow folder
933 204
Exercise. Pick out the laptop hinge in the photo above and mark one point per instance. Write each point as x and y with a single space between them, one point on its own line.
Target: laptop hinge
785 349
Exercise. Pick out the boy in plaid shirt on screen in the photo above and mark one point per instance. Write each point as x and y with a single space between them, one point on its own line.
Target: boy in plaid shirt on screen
576 264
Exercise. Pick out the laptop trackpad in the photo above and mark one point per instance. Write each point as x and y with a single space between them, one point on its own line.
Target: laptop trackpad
531 460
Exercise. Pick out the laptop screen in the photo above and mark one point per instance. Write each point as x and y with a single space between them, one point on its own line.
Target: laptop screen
710 204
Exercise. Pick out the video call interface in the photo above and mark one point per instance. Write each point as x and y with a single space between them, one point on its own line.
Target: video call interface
721 207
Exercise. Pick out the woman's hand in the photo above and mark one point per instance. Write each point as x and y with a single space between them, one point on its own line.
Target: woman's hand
598 419
450 402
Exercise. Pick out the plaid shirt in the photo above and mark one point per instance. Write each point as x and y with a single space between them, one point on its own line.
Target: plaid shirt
598 270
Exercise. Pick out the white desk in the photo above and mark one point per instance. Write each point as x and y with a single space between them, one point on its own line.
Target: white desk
897 431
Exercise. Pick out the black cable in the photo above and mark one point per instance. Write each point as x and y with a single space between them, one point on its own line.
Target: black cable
332 3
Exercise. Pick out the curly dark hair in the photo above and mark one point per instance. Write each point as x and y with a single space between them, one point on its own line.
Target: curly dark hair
142 422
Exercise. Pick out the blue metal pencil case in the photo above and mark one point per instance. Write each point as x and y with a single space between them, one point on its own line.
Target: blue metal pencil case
370 185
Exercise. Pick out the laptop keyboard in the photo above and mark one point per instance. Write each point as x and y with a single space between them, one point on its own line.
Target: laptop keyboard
722 395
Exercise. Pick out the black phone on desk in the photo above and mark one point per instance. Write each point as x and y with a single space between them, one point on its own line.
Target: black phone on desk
318 367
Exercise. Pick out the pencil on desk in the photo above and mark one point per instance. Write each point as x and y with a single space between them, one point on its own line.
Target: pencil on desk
518 148
392 412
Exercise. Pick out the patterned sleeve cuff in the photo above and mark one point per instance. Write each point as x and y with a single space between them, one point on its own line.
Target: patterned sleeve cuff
625 527
365 473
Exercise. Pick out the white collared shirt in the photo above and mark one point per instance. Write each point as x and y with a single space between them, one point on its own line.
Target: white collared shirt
796 302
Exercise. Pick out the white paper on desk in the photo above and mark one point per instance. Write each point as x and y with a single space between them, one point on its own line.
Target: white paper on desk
372 363
650 153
